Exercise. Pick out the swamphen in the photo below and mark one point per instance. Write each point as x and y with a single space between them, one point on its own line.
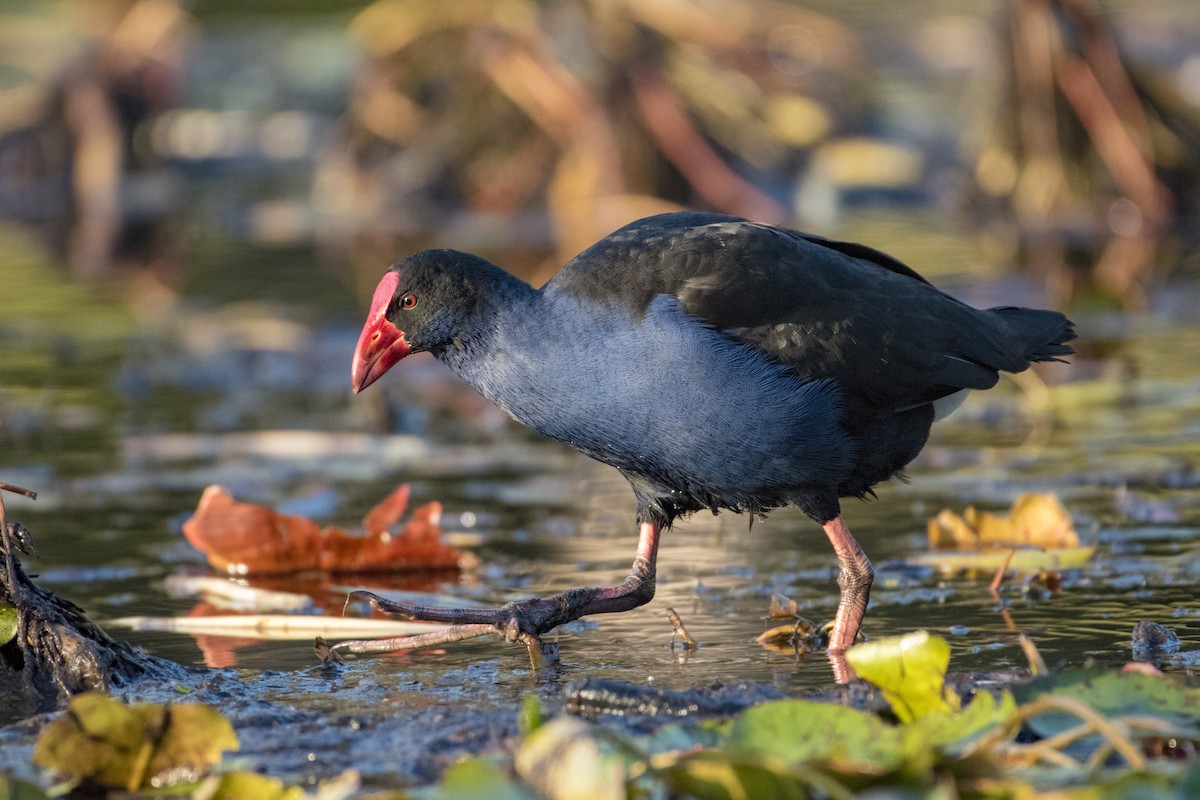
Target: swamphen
718 364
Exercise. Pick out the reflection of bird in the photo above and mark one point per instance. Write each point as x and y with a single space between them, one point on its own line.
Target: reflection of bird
717 363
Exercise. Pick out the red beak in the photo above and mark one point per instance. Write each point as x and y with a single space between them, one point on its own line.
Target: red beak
381 344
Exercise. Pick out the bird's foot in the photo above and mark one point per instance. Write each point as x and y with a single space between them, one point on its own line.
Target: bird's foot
525 621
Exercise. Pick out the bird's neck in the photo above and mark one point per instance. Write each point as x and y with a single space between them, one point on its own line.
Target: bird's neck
526 356
506 306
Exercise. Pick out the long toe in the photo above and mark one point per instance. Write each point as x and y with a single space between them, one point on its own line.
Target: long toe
450 616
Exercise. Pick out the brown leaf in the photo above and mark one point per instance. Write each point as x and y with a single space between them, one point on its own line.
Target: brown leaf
418 546
1038 520
782 607
798 636
244 539
387 513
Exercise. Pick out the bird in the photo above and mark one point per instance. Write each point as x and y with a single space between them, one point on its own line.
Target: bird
718 364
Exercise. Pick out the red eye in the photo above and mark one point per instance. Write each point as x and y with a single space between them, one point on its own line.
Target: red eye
408 301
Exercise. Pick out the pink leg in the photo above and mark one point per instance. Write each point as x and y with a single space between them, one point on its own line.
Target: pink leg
525 620
855 577
638 588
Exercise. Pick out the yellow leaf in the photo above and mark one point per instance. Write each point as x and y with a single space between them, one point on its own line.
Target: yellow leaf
1037 520
909 671
1023 561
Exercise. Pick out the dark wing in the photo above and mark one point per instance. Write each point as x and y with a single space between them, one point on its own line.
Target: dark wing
825 308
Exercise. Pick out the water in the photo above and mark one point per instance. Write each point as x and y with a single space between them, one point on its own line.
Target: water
122 399
550 520
120 427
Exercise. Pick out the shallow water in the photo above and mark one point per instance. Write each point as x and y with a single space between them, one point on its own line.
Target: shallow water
120 401
257 402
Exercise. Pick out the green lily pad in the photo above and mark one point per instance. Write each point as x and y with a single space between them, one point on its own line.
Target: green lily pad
799 731
909 670
951 731
238 785
1169 783
686 736
479 779
14 789
718 776
8 623
1114 694
103 742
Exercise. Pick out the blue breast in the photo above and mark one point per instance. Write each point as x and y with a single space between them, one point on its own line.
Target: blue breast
665 397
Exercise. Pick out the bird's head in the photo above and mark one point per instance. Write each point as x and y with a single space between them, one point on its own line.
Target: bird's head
424 302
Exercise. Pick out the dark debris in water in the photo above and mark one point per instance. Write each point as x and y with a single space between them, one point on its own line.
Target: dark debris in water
57 651
1155 644
593 698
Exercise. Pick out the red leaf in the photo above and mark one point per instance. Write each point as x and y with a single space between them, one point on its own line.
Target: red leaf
418 546
244 539
387 513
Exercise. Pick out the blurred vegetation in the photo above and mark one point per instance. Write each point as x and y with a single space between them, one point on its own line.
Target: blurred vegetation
597 112
1085 147
525 129
1080 734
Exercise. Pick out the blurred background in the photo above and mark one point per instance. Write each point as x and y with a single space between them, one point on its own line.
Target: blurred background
146 142
197 198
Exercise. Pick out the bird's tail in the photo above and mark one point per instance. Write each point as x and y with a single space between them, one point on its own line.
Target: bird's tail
1041 335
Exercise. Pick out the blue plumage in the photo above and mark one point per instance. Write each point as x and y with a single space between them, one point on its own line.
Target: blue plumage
717 363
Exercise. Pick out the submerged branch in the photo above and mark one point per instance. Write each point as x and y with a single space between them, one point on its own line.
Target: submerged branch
57 651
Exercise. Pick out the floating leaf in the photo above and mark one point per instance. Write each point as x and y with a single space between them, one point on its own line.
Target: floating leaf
951 731
101 741
417 546
796 637
387 512
714 774
1036 536
1023 561
1114 694
782 607
240 785
909 670
8 623
799 731
1034 519
479 779
14 789
684 737
565 759
243 538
